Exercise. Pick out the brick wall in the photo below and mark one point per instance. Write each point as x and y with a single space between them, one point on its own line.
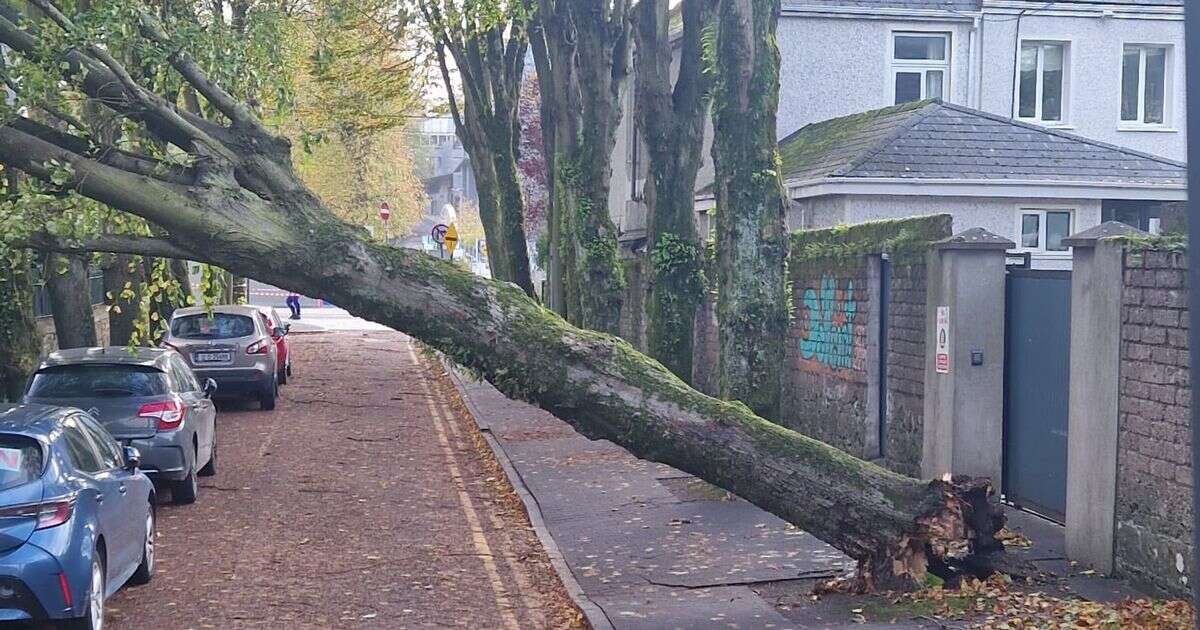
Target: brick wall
1153 510
45 329
906 366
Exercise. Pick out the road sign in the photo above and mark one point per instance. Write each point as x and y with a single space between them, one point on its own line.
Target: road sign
451 239
385 212
941 357
438 233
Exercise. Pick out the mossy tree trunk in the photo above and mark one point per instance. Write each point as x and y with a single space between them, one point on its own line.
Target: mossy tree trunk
671 121
752 304
243 207
20 343
69 289
121 271
582 61
490 59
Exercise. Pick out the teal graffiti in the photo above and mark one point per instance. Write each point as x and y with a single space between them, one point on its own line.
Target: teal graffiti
828 335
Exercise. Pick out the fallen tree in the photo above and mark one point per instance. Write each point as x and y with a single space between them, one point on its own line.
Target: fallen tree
239 204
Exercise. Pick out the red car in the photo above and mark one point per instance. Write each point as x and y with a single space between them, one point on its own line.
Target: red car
272 320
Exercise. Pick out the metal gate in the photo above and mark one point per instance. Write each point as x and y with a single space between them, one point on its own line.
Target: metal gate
1036 378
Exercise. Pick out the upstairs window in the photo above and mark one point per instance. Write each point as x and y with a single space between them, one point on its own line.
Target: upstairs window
1042 90
1144 84
1043 230
920 66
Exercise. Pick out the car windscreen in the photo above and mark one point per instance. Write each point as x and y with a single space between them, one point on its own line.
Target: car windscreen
214 326
98 380
20 460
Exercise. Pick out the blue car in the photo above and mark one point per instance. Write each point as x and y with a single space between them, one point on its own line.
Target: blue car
76 516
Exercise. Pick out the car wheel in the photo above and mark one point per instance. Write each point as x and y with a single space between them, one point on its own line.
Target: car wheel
289 368
210 468
283 374
183 492
266 398
145 569
93 612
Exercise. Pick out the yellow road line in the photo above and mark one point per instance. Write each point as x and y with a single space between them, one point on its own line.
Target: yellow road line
477 535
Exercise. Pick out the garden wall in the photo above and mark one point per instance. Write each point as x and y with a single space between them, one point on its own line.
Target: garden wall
45 329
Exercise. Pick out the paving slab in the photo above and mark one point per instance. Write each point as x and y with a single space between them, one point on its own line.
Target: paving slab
650 545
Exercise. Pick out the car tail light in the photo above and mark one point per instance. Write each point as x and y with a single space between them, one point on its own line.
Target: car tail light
168 413
49 514
262 346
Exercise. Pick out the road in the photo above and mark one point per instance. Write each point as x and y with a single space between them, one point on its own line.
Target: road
365 499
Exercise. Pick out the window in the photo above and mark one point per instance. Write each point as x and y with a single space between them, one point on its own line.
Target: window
216 326
83 454
184 377
1043 230
20 460
1042 89
110 454
1144 77
97 381
920 66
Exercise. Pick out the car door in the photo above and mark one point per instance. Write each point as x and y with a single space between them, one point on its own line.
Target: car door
102 487
132 498
200 408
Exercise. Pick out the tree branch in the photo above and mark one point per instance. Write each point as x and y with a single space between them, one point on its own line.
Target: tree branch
112 156
109 243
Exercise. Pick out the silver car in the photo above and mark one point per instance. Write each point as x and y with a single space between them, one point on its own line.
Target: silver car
232 346
147 398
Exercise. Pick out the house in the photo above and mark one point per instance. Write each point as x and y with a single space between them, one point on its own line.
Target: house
1109 71
1037 183
443 164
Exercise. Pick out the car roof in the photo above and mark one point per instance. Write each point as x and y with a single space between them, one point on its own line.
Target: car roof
122 355
232 309
35 421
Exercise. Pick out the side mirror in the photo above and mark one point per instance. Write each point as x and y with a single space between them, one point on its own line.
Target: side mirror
280 331
210 387
133 458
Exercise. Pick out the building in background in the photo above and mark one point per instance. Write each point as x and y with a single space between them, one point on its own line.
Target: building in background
442 164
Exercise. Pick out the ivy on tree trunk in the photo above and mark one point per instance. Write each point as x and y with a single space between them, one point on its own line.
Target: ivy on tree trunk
20 343
671 121
752 303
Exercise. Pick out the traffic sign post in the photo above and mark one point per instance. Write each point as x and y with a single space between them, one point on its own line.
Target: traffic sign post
451 239
385 215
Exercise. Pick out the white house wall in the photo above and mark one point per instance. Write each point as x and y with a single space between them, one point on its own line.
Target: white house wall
1094 72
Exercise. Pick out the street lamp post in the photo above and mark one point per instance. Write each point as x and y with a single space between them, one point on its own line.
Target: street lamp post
385 215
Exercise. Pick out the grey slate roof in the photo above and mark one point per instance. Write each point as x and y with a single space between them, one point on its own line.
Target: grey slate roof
936 140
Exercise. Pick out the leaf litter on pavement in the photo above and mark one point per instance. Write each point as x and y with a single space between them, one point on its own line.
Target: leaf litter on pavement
999 603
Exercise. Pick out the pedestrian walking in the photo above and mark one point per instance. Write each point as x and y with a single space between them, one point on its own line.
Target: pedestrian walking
293 302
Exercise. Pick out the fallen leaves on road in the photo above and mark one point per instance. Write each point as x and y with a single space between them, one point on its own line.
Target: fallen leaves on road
1012 539
996 603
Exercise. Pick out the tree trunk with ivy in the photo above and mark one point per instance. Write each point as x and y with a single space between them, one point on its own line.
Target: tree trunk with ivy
671 120
20 343
584 59
490 59
69 289
752 303
241 205
122 271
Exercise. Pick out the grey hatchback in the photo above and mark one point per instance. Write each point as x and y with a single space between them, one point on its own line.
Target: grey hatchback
147 398
231 345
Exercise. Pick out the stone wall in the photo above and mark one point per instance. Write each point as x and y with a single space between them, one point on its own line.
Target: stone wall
1154 472
633 304
45 329
906 366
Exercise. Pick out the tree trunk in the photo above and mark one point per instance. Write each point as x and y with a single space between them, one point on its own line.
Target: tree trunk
20 343
179 269
247 211
554 298
71 300
752 303
672 123
122 270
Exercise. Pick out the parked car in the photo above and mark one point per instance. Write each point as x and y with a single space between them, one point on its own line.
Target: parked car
283 366
145 397
232 346
76 516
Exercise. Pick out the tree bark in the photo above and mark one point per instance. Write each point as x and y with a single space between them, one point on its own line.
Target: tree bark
20 343
584 58
672 122
120 270
70 294
894 526
752 303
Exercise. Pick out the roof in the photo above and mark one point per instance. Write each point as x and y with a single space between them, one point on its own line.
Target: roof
233 309
112 354
945 5
31 420
935 140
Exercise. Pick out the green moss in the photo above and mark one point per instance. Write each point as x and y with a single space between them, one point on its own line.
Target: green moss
1161 243
816 145
900 238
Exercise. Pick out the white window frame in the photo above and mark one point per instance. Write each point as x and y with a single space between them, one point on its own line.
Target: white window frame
922 65
1041 211
1066 84
1168 88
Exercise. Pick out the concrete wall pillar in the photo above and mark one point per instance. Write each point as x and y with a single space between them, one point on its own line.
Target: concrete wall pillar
1097 283
964 400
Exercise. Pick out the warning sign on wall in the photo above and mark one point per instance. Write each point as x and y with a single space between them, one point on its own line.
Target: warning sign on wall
941 357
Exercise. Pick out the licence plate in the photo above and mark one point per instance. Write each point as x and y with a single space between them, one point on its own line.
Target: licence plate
212 357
